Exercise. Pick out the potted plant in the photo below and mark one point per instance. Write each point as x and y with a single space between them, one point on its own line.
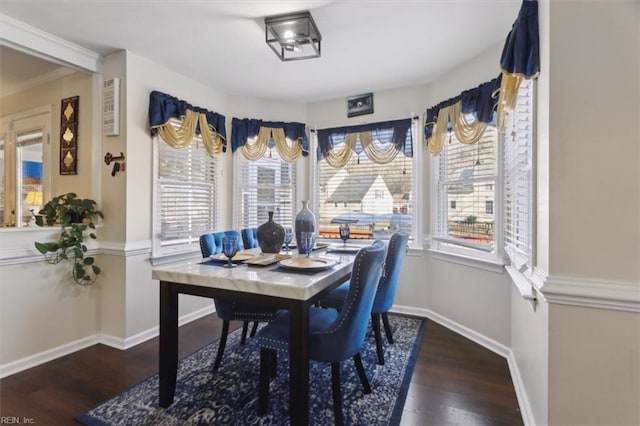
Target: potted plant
75 216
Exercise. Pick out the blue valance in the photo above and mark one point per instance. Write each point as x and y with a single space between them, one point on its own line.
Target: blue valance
248 128
396 132
164 107
520 57
479 101
521 52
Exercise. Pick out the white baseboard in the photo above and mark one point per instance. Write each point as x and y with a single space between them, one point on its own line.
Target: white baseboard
116 342
521 392
49 355
129 342
470 334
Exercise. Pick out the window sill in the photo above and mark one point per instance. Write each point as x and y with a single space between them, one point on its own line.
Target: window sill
414 250
484 264
522 283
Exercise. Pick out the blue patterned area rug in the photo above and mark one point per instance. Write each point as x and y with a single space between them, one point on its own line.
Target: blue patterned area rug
230 396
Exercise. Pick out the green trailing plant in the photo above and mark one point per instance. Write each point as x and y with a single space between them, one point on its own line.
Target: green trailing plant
75 217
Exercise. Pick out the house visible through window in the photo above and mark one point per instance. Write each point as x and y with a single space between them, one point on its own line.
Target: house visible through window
185 196
376 199
264 185
465 177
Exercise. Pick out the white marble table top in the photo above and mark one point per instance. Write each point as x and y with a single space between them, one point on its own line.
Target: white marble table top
270 280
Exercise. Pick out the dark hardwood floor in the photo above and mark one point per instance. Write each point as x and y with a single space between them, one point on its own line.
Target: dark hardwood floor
455 382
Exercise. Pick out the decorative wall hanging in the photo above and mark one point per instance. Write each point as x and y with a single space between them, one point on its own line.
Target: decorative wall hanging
111 107
69 136
360 105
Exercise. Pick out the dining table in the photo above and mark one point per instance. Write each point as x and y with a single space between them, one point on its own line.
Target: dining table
280 285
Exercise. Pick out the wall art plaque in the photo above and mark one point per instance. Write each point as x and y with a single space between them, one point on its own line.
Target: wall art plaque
69 136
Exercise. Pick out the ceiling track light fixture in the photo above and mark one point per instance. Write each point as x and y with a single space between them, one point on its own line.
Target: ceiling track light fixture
293 36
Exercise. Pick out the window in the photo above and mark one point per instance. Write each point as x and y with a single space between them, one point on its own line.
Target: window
518 187
24 165
464 178
264 185
488 187
379 197
185 196
488 207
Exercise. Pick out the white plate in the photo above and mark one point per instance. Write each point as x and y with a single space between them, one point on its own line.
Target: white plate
341 248
307 263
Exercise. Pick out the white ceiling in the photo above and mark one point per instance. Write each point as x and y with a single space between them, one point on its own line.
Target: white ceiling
367 46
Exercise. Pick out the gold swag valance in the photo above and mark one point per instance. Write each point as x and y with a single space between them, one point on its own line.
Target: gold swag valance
164 108
467 115
381 142
252 138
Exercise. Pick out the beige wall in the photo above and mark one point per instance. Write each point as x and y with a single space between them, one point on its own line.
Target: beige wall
594 367
41 308
594 208
593 140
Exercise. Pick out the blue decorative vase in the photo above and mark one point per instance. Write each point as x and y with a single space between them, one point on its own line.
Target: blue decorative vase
305 221
270 236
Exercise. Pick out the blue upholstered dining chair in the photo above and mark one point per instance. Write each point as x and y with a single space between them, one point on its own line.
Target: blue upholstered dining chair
250 238
226 310
334 336
386 291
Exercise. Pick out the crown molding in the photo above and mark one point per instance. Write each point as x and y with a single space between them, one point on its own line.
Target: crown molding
31 40
36 81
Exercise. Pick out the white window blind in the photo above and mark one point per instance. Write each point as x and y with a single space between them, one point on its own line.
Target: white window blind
465 176
267 184
186 196
378 196
518 189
